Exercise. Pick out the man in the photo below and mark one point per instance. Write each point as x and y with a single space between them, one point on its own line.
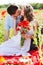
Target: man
11 20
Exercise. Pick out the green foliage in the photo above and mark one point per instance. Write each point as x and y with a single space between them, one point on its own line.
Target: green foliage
37 5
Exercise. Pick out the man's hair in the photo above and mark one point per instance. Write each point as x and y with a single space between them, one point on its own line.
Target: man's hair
12 9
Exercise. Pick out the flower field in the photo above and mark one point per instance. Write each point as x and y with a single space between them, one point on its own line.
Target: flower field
39 16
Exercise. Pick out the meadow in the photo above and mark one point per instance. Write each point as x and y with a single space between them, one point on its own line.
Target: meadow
39 16
38 13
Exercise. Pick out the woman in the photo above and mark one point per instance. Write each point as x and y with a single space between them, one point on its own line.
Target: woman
28 16
12 46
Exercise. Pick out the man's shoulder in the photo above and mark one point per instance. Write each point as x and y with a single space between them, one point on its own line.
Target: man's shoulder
8 17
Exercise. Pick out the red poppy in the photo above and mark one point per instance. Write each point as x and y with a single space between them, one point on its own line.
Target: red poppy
35 13
19 24
17 28
22 32
42 47
3 13
23 24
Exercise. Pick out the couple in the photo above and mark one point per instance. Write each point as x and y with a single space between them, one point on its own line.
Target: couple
12 46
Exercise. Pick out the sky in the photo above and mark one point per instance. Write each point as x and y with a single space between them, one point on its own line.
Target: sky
20 1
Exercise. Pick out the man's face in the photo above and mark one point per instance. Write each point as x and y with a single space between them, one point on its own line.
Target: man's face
16 14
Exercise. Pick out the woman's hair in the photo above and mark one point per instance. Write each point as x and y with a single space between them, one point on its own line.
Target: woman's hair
22 18
28 13
12 9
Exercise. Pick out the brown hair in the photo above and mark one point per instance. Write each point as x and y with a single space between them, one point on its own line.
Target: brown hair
28 13
12 9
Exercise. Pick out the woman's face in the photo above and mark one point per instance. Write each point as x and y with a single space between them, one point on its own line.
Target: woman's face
22 11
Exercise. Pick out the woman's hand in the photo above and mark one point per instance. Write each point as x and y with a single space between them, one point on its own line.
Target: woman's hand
27 36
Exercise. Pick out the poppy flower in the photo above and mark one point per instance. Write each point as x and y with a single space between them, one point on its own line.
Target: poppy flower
24 23
2 59
3 13
35 13
23 27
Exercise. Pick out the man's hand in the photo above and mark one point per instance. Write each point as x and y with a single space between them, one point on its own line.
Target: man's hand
6 35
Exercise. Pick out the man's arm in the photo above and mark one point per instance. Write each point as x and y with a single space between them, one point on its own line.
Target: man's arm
6 35
14 30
